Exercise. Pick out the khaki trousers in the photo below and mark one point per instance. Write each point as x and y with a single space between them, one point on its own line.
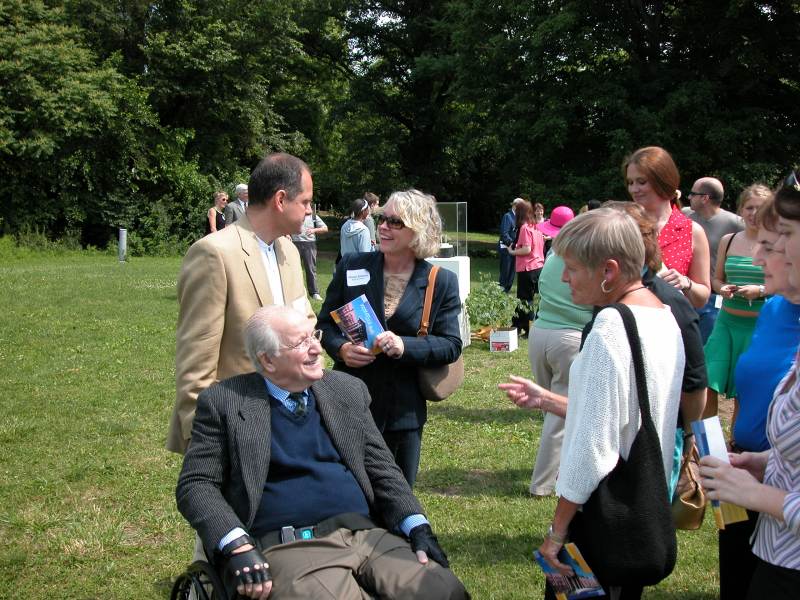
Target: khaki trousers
551 352
357 565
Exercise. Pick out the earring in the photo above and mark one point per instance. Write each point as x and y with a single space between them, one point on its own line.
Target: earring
603 287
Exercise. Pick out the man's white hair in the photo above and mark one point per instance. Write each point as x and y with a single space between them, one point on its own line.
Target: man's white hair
260 334
242 187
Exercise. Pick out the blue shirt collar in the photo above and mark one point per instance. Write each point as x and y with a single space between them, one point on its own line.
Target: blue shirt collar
282 395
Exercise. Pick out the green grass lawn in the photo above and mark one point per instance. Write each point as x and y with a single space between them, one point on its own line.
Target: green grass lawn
87 504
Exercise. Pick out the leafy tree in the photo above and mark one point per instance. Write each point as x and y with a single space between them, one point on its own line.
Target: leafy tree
131 112
59 121
111 28
81 150
402 72
210 69
570 87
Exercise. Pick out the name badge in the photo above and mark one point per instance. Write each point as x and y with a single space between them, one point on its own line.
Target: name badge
357 277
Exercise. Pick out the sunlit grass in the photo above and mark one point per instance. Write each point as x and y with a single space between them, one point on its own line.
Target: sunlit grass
87 495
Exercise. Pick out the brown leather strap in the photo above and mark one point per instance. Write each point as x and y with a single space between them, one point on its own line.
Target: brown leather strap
426 308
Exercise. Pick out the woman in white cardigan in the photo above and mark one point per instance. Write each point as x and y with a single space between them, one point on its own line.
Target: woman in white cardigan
603 255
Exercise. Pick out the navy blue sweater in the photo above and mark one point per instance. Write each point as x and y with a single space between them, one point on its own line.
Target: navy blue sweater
307 481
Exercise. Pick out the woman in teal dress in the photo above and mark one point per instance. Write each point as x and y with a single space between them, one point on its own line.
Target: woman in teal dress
741 285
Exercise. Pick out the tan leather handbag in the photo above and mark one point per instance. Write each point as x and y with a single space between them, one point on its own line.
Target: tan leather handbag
689 504
437 383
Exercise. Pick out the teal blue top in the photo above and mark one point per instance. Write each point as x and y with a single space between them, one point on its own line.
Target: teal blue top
556 308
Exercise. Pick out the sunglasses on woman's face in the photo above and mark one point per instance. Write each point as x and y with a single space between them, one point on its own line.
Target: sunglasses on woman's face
391 222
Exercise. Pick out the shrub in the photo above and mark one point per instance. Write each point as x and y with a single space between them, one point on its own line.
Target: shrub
488 305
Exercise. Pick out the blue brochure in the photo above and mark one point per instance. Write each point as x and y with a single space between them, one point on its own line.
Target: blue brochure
359 323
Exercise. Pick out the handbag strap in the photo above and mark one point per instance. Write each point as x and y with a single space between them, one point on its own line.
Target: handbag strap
629 321
426 308
692 457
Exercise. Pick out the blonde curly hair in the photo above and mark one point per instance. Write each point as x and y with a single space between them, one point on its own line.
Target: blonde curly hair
418 211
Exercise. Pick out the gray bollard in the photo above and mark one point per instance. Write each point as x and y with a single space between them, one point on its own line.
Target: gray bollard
122 248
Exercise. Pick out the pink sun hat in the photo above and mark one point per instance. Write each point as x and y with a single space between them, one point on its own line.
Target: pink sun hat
560 216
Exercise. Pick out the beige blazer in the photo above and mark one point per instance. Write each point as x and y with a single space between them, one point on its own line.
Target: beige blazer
221 284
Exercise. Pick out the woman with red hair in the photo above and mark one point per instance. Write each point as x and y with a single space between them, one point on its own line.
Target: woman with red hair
652 180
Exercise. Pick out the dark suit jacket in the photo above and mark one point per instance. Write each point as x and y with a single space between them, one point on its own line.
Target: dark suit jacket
233 212
396 400
508 228
227 462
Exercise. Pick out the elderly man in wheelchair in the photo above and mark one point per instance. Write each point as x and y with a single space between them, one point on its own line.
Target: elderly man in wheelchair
291 488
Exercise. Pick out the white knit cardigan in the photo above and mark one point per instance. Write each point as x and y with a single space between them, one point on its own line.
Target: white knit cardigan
603 414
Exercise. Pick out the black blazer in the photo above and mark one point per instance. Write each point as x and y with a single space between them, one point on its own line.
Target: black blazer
227 462
396 400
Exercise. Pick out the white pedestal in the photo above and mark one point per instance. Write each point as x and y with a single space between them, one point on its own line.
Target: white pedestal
460 266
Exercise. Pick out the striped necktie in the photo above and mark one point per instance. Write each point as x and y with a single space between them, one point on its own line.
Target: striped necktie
300 409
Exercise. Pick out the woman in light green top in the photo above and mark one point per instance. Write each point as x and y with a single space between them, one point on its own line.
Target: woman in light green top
554 343
741 285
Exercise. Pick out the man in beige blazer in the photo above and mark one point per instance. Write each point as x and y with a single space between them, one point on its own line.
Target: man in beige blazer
227 276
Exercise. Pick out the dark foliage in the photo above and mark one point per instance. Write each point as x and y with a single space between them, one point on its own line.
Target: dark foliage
131 113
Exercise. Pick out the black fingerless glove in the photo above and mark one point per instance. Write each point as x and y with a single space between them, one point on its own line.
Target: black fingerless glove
422 538
246 567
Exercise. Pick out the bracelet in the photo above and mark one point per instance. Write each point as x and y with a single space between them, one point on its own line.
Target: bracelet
762 291
554 537
688 288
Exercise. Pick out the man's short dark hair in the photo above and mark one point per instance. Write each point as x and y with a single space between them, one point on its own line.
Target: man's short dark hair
279 171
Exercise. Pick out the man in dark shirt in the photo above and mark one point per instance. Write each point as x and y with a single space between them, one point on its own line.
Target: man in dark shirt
291 488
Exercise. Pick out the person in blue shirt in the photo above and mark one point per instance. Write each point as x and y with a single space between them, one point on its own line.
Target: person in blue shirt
758 372
354 235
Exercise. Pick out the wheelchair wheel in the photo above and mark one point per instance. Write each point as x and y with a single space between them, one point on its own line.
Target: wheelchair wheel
199 582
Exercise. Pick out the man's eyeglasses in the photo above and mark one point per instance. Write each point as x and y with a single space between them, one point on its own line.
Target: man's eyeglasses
690 194
792 182
391 222
305 343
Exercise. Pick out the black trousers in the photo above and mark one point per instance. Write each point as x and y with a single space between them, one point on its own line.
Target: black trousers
527 287
774 583
736 560
406 447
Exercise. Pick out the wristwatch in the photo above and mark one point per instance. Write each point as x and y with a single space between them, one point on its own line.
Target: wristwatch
762 291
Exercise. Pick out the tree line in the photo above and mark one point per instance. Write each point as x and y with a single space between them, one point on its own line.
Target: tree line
130 113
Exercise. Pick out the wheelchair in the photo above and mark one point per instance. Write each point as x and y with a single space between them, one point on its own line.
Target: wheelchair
200 581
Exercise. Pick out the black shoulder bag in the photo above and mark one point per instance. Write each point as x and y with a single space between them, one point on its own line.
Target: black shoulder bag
625 531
